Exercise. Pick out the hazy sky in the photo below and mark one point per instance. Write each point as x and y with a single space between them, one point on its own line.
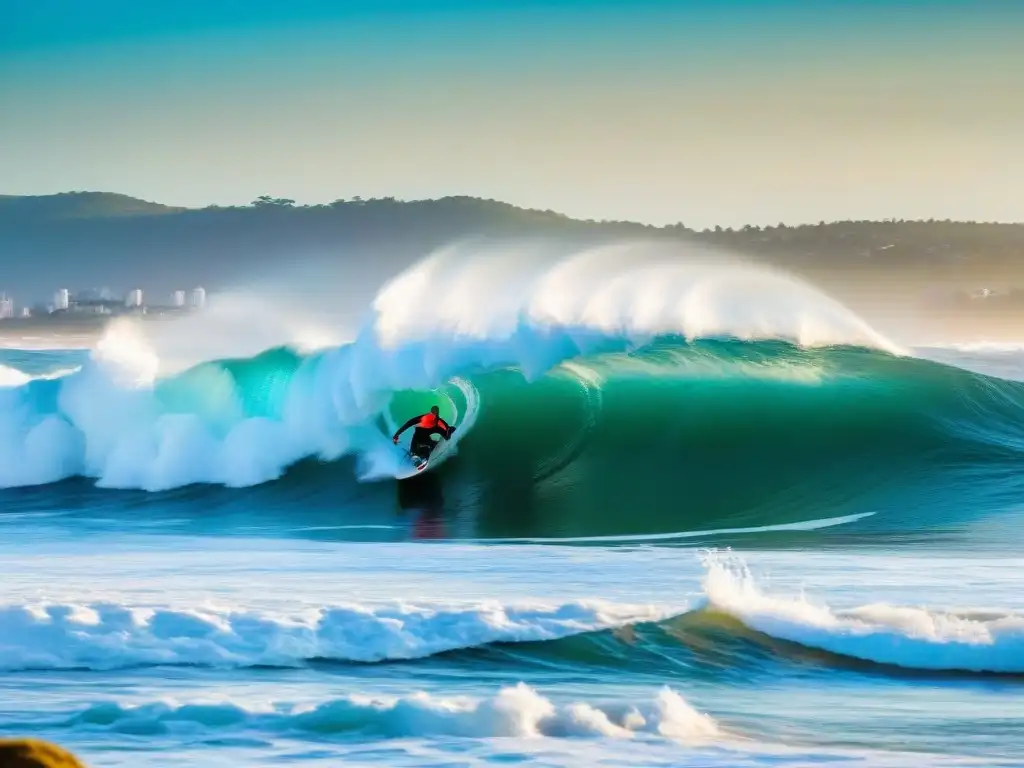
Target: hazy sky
710 111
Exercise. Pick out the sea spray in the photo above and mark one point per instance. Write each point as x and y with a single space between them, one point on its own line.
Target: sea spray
914 638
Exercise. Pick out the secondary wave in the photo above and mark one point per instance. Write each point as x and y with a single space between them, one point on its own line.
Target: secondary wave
110 636
725 627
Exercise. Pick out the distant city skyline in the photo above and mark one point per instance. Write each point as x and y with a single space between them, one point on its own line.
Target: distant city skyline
65 299
728 112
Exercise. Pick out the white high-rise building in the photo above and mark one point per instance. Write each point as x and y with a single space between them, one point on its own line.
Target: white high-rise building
178 299
134 298
198 298
62 299
6 307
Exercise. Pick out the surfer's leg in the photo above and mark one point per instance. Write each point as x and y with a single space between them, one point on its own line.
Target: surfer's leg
421 446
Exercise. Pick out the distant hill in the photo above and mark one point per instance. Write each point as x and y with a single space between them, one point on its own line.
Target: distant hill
77 205
90 239
83 240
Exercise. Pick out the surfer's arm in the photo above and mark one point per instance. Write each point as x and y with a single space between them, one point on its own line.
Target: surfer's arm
410 423
446 429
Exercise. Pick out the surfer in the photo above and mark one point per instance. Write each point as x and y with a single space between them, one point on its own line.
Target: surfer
427 425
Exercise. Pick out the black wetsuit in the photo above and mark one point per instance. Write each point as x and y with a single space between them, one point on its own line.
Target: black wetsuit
422 444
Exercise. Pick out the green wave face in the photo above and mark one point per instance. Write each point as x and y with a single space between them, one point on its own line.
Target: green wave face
680 437
683 437
224 392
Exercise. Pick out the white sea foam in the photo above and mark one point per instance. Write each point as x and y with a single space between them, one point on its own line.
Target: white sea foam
903 636
12 377
515 711
110 636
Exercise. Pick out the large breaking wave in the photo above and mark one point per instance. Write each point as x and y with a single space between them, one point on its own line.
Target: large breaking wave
687 389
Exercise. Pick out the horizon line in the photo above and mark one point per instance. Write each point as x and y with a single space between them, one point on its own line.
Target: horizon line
357 199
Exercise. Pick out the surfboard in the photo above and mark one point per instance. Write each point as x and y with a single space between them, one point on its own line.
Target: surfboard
418 462
418 465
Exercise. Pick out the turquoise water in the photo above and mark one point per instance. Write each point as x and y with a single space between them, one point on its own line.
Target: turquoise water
709 553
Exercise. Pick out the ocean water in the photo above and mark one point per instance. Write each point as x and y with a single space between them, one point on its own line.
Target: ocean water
692 516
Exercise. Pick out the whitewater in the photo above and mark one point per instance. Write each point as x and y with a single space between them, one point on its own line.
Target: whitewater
696 513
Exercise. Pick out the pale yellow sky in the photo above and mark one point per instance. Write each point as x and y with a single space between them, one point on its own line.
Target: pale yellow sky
777 131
